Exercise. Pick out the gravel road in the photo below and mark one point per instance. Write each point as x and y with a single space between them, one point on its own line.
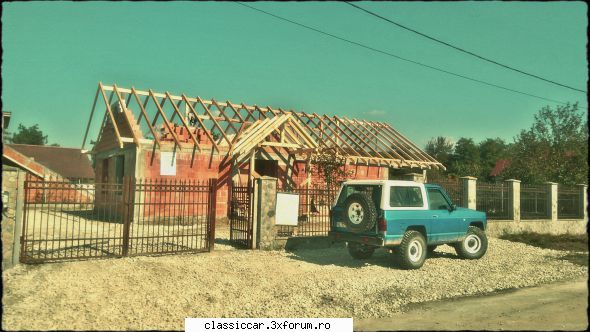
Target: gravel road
159 292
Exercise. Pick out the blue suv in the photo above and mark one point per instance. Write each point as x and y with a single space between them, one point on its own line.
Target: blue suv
408 217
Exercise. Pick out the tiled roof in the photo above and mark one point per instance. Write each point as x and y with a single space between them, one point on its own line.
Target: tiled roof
68 162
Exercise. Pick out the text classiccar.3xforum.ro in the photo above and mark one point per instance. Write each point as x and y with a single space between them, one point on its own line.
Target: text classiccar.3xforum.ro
274 325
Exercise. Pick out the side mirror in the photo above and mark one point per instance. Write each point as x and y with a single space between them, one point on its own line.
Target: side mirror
452 208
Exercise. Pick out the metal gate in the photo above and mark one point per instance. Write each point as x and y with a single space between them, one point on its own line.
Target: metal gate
241 218
65 221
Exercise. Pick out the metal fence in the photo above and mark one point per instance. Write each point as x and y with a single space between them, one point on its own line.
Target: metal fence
453 188
241 215
568 202
64 221
493 199
533 202
315 203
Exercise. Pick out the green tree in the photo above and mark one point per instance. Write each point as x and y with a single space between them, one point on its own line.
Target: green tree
31 135
441 149
554 148
465 159
490 151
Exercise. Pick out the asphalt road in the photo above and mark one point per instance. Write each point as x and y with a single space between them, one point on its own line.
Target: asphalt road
559 306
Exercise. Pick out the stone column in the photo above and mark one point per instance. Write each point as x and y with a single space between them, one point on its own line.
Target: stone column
514 208
266 205
18 217
469 192
583 206
551 200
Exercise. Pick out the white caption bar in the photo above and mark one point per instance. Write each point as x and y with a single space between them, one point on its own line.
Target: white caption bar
268 324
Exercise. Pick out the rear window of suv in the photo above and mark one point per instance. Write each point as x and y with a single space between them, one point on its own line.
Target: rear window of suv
405 197
374 191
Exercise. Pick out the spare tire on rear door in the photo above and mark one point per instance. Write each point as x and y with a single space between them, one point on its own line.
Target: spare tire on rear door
360 213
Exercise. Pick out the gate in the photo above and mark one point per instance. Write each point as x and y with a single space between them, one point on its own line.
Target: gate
241 219
65 221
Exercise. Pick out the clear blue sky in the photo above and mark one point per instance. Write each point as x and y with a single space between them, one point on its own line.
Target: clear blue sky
55 53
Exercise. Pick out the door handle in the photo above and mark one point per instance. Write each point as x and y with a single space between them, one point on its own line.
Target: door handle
435 216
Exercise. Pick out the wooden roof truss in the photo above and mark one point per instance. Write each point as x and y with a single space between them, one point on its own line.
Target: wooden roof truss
239 128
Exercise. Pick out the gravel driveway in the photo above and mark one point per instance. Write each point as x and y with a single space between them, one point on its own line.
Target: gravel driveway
159 292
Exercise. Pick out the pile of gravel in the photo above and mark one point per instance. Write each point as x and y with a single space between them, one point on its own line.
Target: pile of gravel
159 292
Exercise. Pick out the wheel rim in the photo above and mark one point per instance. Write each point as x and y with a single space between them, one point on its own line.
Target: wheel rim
472 243
415 251
355 213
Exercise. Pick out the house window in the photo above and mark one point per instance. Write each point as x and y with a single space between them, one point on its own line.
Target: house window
267 167
105 171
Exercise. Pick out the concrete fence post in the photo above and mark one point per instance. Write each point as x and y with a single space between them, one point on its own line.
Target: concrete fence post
18 217
514 208
551 200
469 192
583 206
267 203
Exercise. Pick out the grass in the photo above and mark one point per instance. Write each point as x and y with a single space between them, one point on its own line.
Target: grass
577 244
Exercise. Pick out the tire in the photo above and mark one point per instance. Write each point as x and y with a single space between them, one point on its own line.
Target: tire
474 246
411 253
360 213
360 251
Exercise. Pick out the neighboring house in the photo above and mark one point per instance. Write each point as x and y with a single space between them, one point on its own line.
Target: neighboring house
67 163
151 135
501 165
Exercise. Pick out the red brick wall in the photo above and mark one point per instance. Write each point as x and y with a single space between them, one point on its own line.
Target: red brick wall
359 172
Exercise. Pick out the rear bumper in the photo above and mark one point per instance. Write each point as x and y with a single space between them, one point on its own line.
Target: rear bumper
365 239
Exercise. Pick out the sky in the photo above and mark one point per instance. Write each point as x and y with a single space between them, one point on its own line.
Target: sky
56 53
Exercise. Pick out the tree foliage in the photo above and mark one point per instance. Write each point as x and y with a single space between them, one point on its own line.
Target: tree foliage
554 148
490 151
329 165
465 159
29 135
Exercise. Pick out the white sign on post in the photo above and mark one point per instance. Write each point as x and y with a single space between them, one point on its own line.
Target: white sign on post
287 210
167 163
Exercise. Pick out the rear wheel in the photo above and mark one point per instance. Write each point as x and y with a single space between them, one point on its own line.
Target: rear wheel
360 213
474 245
411 253
360 251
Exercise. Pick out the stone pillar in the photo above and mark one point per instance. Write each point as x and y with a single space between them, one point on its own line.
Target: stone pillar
266 206
514 202
583 189
551 200
18 217
469 192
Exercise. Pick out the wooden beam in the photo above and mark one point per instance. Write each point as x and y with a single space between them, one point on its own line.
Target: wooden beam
90 118
161 112
214 121
184 122
111 116
190 107
147 120
125 115
280 145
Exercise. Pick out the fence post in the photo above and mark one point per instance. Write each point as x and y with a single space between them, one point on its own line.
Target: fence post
552 201
253 192
469 187
583 206
127 206
212 212
267 201
18 217
514 208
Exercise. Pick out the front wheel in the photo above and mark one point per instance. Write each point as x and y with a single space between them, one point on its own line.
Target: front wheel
411 253
474 245
360 251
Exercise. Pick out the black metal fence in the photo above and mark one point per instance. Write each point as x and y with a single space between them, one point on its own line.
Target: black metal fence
453 188
315 203
568 202
64 221
241 222
493 199
534 202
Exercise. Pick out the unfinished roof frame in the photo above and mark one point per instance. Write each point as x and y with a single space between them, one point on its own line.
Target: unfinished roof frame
239 128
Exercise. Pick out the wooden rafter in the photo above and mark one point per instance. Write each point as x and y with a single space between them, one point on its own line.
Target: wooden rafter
357 140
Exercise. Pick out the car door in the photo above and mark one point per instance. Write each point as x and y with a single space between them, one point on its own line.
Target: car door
445 225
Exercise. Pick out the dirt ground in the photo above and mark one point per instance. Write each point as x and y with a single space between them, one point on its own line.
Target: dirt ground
560 306
141 293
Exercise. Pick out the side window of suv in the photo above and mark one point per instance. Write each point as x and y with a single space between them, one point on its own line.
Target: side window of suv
437 200
405 197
